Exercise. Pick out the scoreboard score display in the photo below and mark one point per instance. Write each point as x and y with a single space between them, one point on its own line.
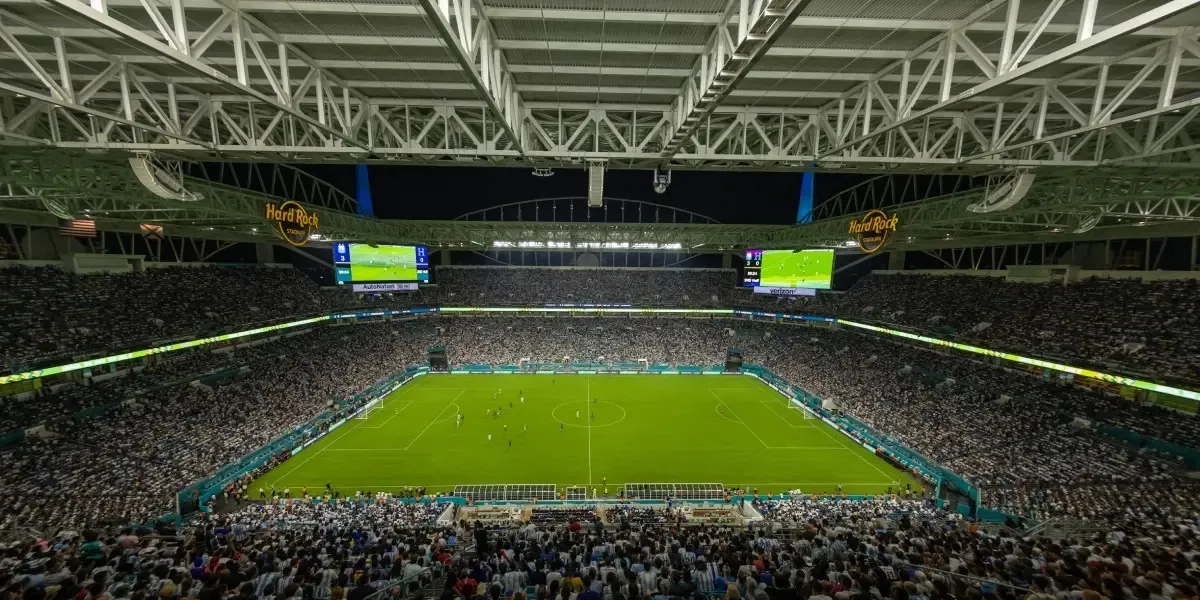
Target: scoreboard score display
376 266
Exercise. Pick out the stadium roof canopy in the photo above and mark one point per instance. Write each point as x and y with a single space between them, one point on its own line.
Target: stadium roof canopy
225 202
924 85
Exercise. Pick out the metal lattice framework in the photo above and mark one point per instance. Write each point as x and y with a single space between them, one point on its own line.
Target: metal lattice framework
972 85
520 492
678 491
39 189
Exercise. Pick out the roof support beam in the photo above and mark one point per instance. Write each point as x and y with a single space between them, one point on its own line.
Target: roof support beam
1009 71
472 42
187 56
70 103
726 61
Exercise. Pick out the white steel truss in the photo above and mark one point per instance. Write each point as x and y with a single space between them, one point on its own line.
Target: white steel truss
726 60
472 42
1030 84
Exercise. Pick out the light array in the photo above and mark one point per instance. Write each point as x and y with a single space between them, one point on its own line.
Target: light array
586 245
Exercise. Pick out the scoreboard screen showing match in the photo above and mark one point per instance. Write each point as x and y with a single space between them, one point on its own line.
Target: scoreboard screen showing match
811 269
366 263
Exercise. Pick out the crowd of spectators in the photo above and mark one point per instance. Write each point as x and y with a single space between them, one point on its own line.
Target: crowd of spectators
49 313
126 464
345 513
1151 326
1115 323
535 287
808 549
1026 440
1011 432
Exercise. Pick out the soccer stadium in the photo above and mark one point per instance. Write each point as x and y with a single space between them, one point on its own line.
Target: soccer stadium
599 300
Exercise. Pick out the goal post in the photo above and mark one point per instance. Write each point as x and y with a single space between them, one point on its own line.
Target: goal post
805 413
367 411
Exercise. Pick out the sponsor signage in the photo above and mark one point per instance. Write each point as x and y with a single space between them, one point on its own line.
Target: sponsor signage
384 287
296 225
872 230
778 291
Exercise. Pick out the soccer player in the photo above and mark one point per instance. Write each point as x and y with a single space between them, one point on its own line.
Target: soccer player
525 427
595 400
506 428
510 443
576 414
510 404
562 426
489 437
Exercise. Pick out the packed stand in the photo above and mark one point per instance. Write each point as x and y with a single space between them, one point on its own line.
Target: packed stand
1151 326
540 286
810 549
992 426
49 313
344 514
126 465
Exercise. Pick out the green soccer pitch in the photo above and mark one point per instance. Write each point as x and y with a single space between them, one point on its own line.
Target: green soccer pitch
806 269
647 429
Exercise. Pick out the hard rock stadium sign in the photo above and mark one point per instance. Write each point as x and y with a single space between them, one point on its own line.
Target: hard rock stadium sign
873 230
296 225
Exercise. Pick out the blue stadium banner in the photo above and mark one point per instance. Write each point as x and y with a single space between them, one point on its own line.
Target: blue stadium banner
805 206
366 207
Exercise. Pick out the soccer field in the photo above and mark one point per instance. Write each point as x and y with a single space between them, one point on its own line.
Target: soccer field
646 429
360 273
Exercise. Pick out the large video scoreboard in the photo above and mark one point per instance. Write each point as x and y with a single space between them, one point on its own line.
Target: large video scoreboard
380 267
807 269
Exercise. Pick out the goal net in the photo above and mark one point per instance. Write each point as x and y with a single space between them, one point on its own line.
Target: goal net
366 412
805 414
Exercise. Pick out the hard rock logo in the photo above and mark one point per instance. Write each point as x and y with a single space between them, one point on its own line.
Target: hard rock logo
873 229
296 225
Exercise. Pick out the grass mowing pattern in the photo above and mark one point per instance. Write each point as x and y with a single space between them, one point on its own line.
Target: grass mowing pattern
647 429
806 269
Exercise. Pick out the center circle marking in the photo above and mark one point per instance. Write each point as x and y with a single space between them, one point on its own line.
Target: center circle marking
585 414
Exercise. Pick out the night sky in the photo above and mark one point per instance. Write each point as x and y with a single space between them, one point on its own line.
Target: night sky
420 192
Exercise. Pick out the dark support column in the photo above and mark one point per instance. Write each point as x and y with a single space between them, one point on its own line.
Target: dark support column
264 253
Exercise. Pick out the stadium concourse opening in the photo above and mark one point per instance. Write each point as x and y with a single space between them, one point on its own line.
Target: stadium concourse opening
598 431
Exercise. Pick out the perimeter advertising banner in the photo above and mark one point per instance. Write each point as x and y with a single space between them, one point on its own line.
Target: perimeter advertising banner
384 287
783 291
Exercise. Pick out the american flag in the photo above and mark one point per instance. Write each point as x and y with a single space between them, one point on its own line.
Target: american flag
85 228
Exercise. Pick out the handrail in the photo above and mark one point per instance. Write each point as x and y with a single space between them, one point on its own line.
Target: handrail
387 587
